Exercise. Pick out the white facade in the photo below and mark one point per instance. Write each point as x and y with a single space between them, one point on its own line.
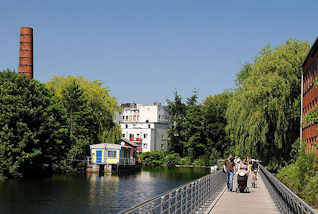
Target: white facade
146 125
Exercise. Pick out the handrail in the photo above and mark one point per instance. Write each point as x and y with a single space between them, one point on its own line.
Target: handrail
183 199
285 200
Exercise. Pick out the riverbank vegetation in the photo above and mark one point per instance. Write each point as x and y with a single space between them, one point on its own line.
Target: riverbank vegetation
45 130
165 159
302 177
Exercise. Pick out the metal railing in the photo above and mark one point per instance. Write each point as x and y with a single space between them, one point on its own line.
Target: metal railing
187 198
127 161
285 200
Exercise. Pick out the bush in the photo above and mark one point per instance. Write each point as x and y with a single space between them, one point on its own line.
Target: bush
199 162
172 160
289 176
185 161
310 192
301 177
152 158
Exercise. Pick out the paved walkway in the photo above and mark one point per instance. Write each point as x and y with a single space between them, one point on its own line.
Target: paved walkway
257 201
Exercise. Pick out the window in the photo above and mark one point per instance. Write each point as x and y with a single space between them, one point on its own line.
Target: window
147 121
126 126
123 117
145 146
137 135
145 136
112 154
123 135
149 126
126 117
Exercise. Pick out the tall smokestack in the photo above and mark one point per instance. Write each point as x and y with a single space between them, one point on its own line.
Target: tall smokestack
26 52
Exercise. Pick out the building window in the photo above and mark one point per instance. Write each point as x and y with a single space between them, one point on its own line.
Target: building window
147 121
149 126
145 146
126 126
126 117
123 117
145 136
112 154
134 117
123 135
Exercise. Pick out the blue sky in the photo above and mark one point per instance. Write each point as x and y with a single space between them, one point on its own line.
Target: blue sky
143 50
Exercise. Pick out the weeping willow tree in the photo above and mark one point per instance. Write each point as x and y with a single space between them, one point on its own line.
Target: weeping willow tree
263 117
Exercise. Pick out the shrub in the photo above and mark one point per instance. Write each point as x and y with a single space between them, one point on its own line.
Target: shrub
152 158
172 160
289 176
310 192
185 161
199 162
301 177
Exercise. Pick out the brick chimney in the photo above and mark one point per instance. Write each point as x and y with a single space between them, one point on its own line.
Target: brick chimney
26 52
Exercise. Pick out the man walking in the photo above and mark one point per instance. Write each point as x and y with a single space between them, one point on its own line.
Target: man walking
229 165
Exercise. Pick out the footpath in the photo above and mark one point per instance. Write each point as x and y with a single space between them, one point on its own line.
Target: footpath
257 201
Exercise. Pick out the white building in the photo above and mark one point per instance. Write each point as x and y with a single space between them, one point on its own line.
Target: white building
145 125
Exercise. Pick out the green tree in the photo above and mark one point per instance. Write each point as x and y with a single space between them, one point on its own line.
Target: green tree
193 129
264 115
214 116
98 98
33 129
82 124
176 110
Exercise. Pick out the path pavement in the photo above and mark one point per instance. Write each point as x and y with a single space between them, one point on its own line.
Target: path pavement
257 201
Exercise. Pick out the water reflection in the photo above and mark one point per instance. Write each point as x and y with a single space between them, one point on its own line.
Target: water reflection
91 193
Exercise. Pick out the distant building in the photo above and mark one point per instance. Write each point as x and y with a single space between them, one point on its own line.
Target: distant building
145 125
310 96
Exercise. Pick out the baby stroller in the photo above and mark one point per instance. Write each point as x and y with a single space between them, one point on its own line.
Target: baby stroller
242 177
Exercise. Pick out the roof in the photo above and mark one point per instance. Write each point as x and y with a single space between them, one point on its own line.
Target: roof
104 145
128 142
313 49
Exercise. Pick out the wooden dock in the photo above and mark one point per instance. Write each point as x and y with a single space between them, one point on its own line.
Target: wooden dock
257 201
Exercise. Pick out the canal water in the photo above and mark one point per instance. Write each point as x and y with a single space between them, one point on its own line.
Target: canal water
91 193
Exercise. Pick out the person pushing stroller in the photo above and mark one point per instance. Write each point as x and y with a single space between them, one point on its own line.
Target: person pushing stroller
242 177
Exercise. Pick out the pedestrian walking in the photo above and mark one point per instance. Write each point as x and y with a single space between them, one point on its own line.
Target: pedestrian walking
229 165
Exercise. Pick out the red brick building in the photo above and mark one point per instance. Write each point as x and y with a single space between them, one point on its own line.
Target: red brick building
310 96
